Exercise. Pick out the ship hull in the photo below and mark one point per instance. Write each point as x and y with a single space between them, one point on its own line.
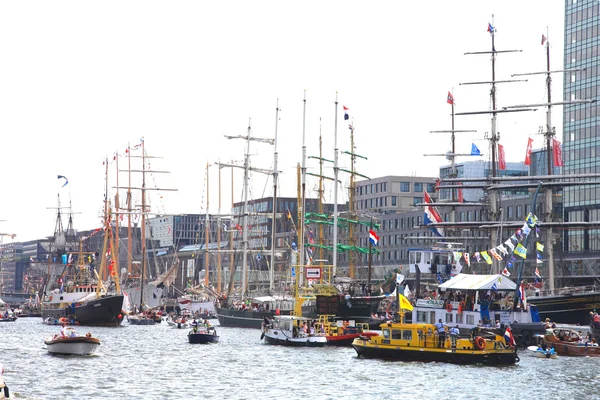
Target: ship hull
242 319
105 311
456 357
567 309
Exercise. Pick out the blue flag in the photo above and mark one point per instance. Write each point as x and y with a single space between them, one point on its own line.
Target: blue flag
474 150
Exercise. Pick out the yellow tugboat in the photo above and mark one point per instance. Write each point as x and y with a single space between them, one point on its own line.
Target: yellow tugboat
421 342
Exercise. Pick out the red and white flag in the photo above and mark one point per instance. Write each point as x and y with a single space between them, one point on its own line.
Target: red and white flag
544 38
528 152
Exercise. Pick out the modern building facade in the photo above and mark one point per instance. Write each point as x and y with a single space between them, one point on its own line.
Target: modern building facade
581 136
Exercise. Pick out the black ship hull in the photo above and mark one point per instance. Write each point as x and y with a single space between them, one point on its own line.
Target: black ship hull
573 308
105 311
242 319
357 308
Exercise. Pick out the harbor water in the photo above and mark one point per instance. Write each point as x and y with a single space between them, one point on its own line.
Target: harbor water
157 362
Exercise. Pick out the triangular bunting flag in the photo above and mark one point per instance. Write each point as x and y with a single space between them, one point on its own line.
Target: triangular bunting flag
539 246
494 253
505 272
510 244
502 249
486 256
525 229
457 256
521 251
477 256
467 259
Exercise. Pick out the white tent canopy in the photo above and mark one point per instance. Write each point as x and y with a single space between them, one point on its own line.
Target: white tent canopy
478 282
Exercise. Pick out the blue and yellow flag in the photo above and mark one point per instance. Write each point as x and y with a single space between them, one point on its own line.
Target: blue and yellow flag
521 251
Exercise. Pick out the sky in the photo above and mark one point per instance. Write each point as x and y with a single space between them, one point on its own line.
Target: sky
83 80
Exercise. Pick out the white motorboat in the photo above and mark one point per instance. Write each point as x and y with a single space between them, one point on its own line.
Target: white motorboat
288 330
70 343
540 352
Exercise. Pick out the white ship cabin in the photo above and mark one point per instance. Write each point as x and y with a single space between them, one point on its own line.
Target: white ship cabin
76 293
274 302
436 260
472 300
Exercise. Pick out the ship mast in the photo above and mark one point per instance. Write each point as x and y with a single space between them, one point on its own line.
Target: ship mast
274 217
336 173
494 138
301 210
549 134
144 212
247 170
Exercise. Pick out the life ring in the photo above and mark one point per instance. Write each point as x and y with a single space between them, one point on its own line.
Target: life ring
479 343
449 307
461 307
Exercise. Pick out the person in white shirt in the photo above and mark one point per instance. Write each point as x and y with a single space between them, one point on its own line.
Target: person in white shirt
454 332
441 328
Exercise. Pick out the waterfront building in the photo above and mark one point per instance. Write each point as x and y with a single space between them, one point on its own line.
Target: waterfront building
581 136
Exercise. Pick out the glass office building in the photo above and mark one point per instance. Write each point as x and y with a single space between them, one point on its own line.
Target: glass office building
581 136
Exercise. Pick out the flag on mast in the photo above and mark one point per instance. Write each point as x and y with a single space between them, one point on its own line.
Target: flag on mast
501 158
346 116
544 38
432 215
528 152
450 99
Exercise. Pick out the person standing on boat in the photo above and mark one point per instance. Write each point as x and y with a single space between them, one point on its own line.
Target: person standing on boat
454 332
441 328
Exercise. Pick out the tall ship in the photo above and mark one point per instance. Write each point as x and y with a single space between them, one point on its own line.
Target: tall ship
143 289
73 289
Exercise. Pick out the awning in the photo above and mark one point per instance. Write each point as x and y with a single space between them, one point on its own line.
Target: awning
478 282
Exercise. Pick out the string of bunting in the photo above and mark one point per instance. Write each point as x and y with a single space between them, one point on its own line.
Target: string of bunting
510 249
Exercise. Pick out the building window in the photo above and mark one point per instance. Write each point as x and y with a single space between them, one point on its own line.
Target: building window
418 187
394 201
417 200
509 212
405 187
519 211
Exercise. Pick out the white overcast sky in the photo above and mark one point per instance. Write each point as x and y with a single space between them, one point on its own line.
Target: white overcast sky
80 80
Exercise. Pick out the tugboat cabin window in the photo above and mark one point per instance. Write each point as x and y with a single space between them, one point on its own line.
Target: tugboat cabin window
396 334
386 333
407 335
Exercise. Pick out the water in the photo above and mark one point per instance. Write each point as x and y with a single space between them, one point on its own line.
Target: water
157 362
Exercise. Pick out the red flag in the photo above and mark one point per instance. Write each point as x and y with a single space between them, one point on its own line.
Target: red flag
557 152
345 108
450 99
501 159
461 198
543 39
528 152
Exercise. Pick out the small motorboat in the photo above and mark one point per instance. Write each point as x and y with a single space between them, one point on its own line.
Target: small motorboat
181 323
541 352
68 341
288 330
202 335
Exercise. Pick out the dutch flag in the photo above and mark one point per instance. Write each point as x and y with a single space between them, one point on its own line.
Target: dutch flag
509 338
373 237
432 216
